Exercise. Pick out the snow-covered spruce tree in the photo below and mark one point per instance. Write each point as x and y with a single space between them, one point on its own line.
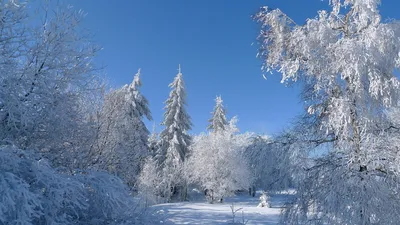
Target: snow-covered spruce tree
226 169
346 58
123 136
218 120
174 140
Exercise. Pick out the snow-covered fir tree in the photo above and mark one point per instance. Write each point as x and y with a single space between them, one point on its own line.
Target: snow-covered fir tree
174 139
218 120
123 137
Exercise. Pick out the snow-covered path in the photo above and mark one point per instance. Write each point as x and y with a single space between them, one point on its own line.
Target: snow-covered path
218 214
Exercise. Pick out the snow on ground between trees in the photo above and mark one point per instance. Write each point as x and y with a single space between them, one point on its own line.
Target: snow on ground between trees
201 212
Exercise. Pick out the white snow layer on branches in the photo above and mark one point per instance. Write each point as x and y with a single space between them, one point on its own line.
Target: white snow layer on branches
217 162
346 58
31 192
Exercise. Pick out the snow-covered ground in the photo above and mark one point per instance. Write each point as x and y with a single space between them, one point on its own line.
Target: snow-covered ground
200 212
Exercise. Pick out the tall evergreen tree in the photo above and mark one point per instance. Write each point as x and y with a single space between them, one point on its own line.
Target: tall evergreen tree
218 121
123 137
174 138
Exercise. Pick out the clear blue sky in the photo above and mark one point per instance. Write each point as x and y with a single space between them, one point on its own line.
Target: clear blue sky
212 40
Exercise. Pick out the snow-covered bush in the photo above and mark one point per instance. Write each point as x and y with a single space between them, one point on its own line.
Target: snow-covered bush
34 193
154 183
264 200
52 197
150 183
17 203
110 193
217 163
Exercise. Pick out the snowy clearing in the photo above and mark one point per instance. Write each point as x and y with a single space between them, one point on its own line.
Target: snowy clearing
220 213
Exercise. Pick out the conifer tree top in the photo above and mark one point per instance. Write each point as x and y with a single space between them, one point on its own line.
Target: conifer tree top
136 83
175 114
136 99
218 120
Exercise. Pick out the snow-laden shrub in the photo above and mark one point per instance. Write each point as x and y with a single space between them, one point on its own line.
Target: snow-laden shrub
32 192
264 200
155 183
150 183
62 197
108 198
17 203
217 163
